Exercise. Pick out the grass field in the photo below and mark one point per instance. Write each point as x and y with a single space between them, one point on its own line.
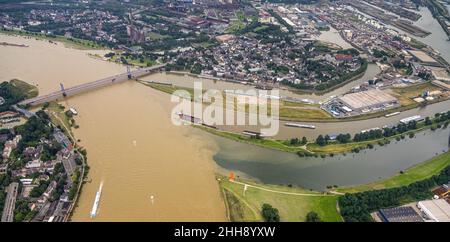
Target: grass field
235 27
169 89
416 173
304 114
288 110
68 42
156 36
292 203
59 117
336 148
30 90
134 62
417 44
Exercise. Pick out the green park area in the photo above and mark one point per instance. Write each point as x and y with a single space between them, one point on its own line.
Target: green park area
67 41
239 23
293 204
416 173
336 148
128 59
60 116
168 88
29 90
303 114
14 91
288 110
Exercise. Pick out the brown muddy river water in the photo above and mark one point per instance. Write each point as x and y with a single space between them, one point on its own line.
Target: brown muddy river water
135 150
132 145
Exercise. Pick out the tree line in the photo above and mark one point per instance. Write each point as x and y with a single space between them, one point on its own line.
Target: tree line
386 132
357 207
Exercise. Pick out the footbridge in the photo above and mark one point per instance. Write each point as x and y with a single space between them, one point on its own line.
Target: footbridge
65 92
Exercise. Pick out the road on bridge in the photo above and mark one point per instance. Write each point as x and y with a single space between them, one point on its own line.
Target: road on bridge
90 86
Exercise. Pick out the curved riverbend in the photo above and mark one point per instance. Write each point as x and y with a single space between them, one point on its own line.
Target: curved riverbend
277 167
137 152
131 144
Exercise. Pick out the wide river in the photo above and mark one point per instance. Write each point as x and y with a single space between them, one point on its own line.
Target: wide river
136 151
132 145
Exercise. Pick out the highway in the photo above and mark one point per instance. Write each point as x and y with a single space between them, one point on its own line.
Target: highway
90 86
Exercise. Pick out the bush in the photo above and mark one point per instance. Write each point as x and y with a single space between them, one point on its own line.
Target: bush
312 217
269 213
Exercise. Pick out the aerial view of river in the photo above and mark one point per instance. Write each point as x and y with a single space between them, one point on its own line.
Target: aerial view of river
137 153
277 167
133 148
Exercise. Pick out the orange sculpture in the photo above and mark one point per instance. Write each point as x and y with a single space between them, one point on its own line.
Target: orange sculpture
231 176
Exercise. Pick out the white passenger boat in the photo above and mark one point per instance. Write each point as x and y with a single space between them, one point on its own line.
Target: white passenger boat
96 201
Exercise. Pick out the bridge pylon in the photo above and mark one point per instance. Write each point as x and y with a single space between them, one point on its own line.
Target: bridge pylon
63 90
129 72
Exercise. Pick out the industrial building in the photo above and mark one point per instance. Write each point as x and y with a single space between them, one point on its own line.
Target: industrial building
415 118
370 99
358 103
437 210
422 57
400 214
441 74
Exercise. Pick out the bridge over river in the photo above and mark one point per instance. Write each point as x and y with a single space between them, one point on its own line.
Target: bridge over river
91 85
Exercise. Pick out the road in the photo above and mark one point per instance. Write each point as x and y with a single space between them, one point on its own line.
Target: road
90 86
10 201
281 192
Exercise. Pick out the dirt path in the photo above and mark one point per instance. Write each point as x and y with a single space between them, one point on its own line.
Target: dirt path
281 192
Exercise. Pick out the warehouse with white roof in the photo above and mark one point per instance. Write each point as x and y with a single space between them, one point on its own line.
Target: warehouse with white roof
370 99
437 210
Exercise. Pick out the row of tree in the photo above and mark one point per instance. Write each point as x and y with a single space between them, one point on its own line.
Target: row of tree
383 133
297 141
341 138
357 207
11 95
